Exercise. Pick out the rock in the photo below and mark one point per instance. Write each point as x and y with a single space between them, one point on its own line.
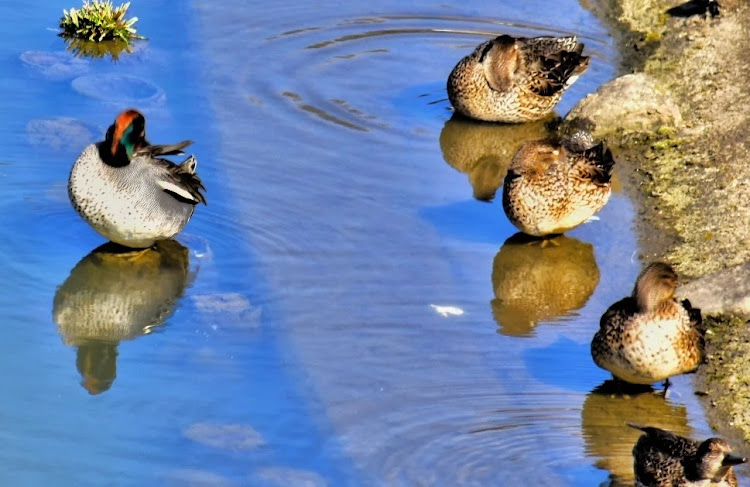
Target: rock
629 104
726 291
55 65
60 134
191 477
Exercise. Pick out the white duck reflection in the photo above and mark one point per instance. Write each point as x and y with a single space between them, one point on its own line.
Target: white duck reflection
116 294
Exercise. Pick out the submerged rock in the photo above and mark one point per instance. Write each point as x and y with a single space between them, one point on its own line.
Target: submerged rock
192 477
61 133
225 436
54 65
282 477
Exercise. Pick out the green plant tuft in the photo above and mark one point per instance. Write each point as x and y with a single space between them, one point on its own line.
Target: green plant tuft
99 21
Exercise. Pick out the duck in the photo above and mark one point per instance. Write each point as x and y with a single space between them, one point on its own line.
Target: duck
650 336
696 7
515 79
663 459
129 194
552 187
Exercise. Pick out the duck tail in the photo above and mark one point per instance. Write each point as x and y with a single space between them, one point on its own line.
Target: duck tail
602 162
579 47
694 313
571 64
650 430
559 70
645 429
696 318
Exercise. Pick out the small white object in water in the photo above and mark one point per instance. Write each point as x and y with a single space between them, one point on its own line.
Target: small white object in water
446 311
592 218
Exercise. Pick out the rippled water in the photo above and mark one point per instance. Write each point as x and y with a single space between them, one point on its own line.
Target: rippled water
345 311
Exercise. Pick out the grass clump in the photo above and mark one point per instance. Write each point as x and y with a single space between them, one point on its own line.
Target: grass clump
98 21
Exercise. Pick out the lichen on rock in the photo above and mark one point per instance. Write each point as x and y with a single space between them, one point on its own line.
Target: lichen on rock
689 180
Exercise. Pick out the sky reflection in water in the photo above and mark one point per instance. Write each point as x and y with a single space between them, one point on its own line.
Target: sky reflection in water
299 345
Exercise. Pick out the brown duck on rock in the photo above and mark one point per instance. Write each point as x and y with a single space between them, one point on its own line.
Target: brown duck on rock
649 336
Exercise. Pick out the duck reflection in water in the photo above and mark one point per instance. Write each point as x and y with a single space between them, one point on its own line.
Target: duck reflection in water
116 294
608 438
534 283
484 150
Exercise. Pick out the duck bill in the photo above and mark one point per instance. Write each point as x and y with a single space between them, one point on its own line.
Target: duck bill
730 460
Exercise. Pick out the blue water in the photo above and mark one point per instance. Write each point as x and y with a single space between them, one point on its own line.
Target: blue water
307 347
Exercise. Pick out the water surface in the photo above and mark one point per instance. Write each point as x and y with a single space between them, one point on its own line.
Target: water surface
345 311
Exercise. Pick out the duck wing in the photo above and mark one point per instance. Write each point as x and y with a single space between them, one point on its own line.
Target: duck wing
544 46
181 182
164 150
618 313
554 72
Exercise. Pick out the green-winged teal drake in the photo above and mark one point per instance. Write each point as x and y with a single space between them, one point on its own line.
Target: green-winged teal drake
127 193
649 336
515 79
663 459
551 188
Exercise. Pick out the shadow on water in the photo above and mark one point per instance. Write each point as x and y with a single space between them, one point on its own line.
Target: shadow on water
114 294
538 281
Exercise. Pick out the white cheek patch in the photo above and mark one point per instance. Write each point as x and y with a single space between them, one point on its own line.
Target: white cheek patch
173 188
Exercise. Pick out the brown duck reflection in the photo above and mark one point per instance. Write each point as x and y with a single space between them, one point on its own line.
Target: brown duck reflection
535 282
114 294
484 150
610 440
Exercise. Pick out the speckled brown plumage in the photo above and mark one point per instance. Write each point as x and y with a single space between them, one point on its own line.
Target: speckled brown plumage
550 189
663 459
515 79
127 192
649 336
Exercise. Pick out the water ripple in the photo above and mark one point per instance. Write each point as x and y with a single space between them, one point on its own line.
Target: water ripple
470 439
334 62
